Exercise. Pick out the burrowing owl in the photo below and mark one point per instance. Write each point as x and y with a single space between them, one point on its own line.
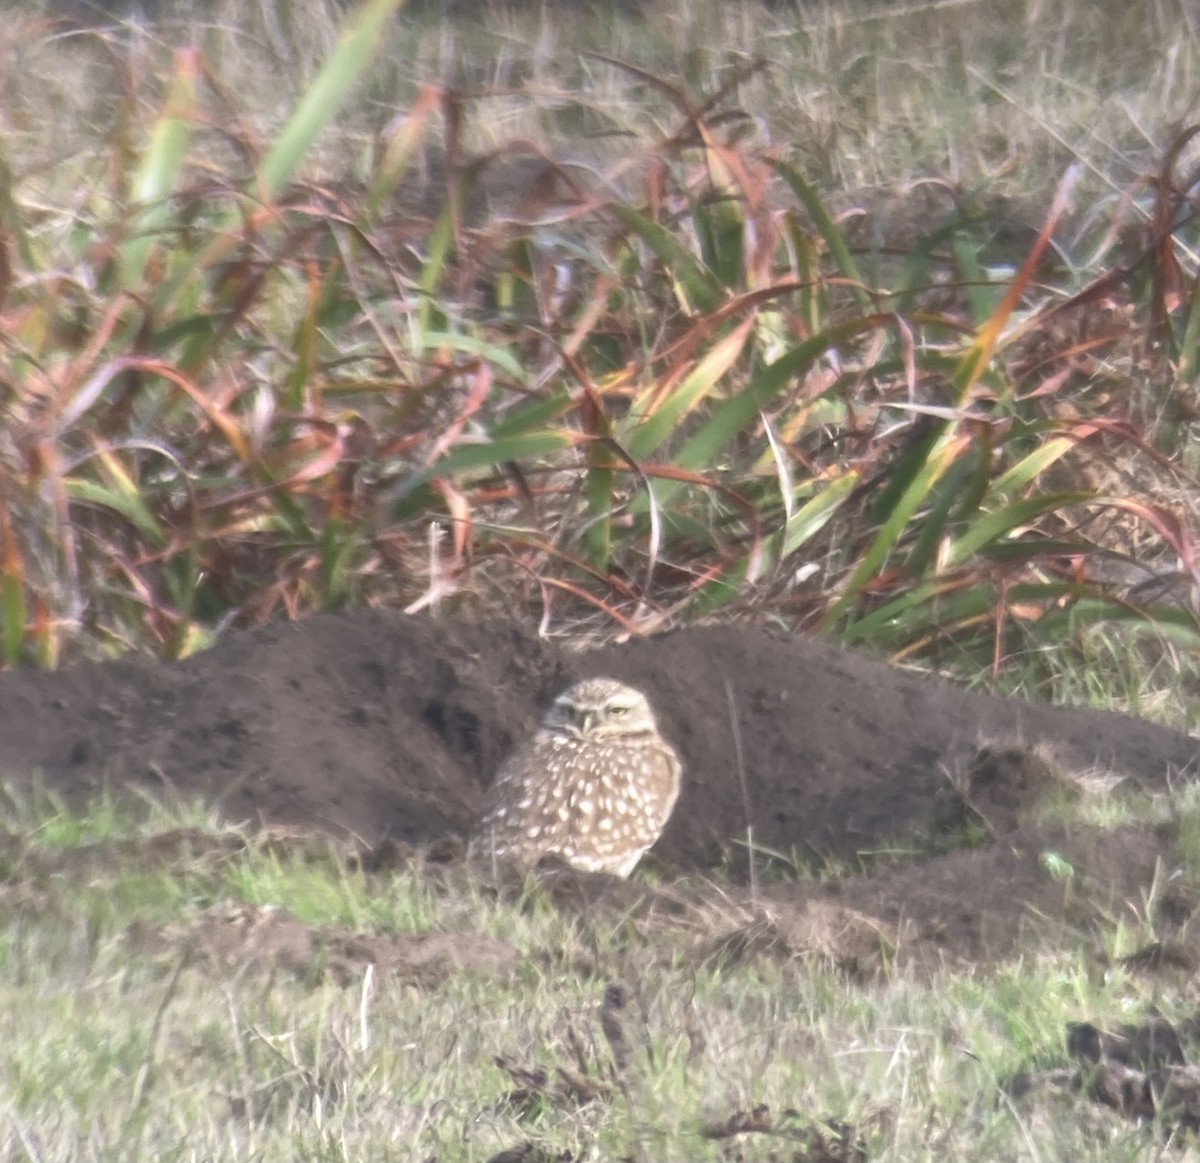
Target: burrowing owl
595 785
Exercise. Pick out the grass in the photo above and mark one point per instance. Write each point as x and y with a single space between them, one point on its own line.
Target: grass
871 323
121 1045
790 325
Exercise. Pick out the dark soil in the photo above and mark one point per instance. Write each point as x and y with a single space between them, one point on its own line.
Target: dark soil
386 729
1143 1072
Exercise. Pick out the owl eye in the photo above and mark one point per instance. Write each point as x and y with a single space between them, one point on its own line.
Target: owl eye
619 709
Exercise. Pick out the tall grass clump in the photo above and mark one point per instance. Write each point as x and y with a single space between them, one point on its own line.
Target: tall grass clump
682 380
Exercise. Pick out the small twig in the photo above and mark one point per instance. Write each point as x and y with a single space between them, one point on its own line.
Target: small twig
243 1060
142 1082
736 729
364 1003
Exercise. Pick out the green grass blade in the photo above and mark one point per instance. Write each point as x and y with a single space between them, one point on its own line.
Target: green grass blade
1029 468
1171 622
533 415
731 418
914 611
939 460
494 454
722 234
440 244
915 274
397 154
597 534
162 163
358 43
834 238
497 356
949 491
1189 344
982 293
654 429
121 498
14 614
12 595
600 480
994 526
814 514
901 475
699 290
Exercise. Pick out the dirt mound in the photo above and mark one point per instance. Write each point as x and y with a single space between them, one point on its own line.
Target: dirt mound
383 725
387 728
1044 885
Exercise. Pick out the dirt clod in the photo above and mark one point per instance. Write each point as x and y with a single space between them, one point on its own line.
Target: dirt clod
1141 1071
1002 789
820 1141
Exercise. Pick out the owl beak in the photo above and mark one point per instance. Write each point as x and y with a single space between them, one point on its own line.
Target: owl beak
587 721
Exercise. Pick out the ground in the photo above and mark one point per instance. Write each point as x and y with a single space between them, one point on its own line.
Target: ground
884 905
915 803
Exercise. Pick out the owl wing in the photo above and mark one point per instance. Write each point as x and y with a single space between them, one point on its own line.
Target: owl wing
518 800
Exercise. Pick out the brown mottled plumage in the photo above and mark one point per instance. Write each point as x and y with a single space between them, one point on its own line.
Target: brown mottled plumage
594 786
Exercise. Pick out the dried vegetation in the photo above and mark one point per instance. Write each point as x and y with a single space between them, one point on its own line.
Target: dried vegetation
670 368
882 324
